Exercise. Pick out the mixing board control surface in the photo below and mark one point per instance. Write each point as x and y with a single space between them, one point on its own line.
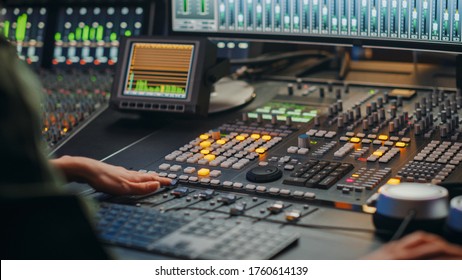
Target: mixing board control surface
352 141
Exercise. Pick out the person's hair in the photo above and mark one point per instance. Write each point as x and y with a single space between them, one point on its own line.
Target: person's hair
20 127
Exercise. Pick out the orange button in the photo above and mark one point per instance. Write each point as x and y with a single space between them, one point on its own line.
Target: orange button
383 137
240 137
355 140
394 181
205 152
210 157
378 153
203 172
260 150
400 144
205 144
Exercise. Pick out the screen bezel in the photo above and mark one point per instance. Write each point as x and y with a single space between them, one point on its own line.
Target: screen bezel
322 40
123 64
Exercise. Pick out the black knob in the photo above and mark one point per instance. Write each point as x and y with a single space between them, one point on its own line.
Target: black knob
264 174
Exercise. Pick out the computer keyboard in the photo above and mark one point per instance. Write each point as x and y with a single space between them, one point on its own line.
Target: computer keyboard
183 236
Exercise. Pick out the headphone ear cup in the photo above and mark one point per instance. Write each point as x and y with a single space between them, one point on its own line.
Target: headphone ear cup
391 224
424 205
453 227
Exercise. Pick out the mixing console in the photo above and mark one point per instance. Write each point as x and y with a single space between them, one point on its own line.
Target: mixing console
277 169
190 236
91 35
25 28
71 100
327 144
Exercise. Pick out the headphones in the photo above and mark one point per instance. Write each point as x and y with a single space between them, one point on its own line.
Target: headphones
408 207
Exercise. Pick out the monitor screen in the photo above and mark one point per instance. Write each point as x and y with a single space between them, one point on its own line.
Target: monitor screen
164 75
159 70
91 36
24 27
412 24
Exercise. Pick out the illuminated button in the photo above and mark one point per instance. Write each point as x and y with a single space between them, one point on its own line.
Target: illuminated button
216 134
355 140
205 144
266 137
203 172
260 150
355 175
209 157
221 142
394 181
400 144
240 137
276 208
383 137
293 215
378 153
255 136
204 136
205 152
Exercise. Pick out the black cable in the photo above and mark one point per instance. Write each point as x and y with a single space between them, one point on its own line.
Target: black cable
403 226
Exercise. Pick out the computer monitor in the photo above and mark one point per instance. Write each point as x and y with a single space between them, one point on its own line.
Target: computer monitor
164 75
25 27
410 24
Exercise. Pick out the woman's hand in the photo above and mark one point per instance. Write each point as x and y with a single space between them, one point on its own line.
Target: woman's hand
416 246
108 178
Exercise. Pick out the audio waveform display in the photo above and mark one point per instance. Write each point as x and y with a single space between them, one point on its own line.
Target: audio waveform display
159 70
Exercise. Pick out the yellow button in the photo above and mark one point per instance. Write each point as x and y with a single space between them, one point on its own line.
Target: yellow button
205 152
355 140
394 181
255 136
383 137
210 157
266 137
205 144
378 153
355 175
240 137
260 150
400 144
204 136
221 141
203 172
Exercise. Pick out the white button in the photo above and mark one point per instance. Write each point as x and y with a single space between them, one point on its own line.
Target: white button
175 168
215 173
189 170
164 166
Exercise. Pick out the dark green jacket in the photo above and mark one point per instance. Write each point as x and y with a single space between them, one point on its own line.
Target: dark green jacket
39 220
